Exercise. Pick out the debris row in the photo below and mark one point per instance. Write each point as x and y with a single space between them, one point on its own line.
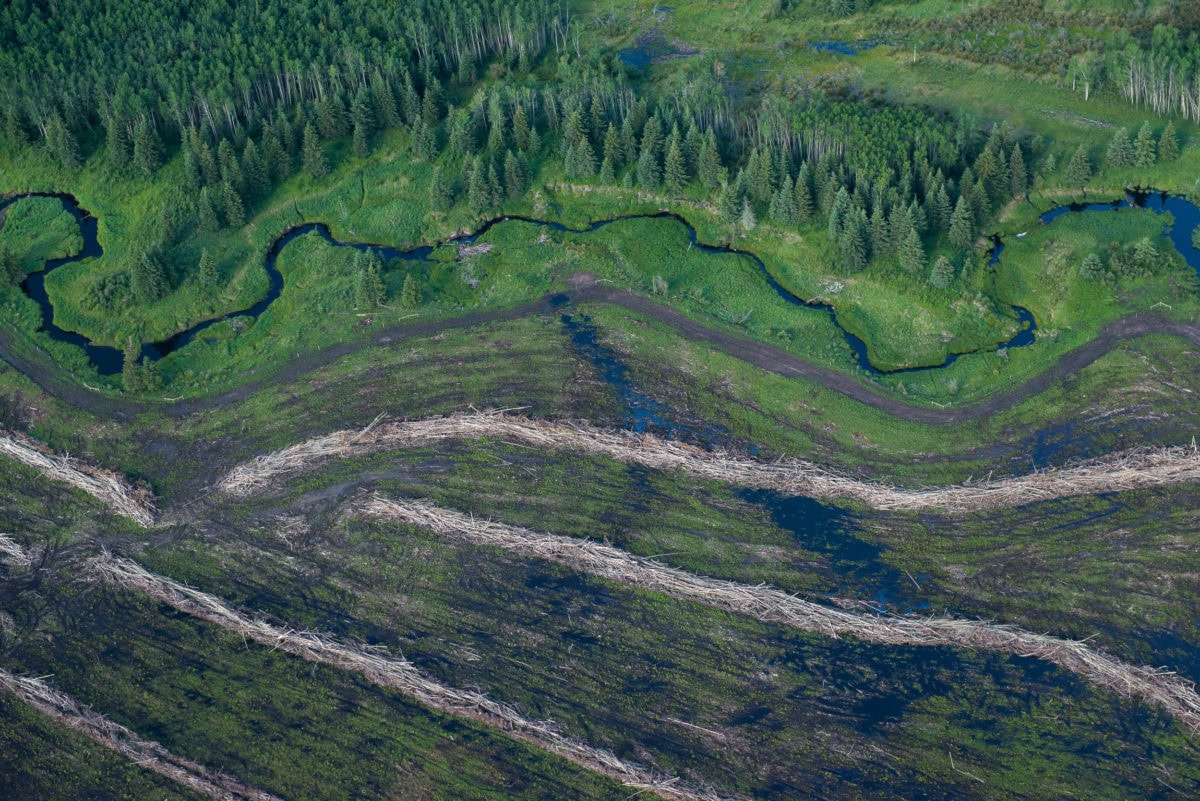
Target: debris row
1129 470
770 605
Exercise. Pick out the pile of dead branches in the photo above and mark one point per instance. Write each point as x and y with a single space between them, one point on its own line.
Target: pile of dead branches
394 673
109 487
1125 471
12 553
770 605
115 737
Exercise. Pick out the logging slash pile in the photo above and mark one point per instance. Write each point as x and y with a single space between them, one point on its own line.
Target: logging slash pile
115 737
395 673
1128 470
107 486
770 605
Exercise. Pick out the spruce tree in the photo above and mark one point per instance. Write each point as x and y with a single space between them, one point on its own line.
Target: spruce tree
1079 169
747 219
520 125
61 143
962 226
649 174
369 288
1145 154
424 141
628 141
192 176
10 271
231 171
151 379
727 206
1092 268
478 195
709 162
116 142
1168 144
612 147
495 193
208 274
147 153
235 212
607 174
410 295
1120 151
838 214
1018 175
912 252
130 374
254 174
149 279
674 168
314 159
206 213
783 204
363 122
332 120
514 175
942 274
803 192
439 190
852 243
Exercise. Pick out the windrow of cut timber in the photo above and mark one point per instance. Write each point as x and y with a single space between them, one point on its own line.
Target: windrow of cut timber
115 737
1128 470
770 605
106 485
396 673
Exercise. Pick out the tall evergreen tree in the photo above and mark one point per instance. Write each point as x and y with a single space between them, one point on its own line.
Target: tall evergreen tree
912 252
424 141
254 173
10 271
674 167
206 213
942 274
709 162
783 203
478 194
410 295
1145 153
1079 169
1168 144
208 274
235 212
747 219
1018 175
612 147
439 191
147 152
130 374
1120 151
727 205
314 159
520 125
962 226
149 279
514 175
852 242
369 287
116 142
61 143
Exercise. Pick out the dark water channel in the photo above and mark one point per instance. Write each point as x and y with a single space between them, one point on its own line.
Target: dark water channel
108 360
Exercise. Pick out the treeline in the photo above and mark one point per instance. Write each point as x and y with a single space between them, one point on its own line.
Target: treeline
69 69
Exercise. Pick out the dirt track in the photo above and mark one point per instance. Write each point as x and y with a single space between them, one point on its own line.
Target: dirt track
765 356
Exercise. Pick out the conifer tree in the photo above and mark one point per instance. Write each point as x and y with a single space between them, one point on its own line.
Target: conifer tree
709 162
520 124
612 148
1018 175
254 174
424 141
649 174
478 194
192 176
61 143
747 219
783 203
1145 153
147 153
10 271
942 274
1120 151
208 274
674 167
130 374
369 288
1079 169
852 242
439 190
235 213
962 226
514 175
314 159
1168 144
1092 268
149 278
207 214
410 295
607 174
912 252
727 205
116 142
628 141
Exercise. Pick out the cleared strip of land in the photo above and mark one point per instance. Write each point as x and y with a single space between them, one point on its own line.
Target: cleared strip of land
115 737
770 605
107 486
396 673
1128 470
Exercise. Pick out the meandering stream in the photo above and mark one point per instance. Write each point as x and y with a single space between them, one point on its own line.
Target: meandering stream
108 360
